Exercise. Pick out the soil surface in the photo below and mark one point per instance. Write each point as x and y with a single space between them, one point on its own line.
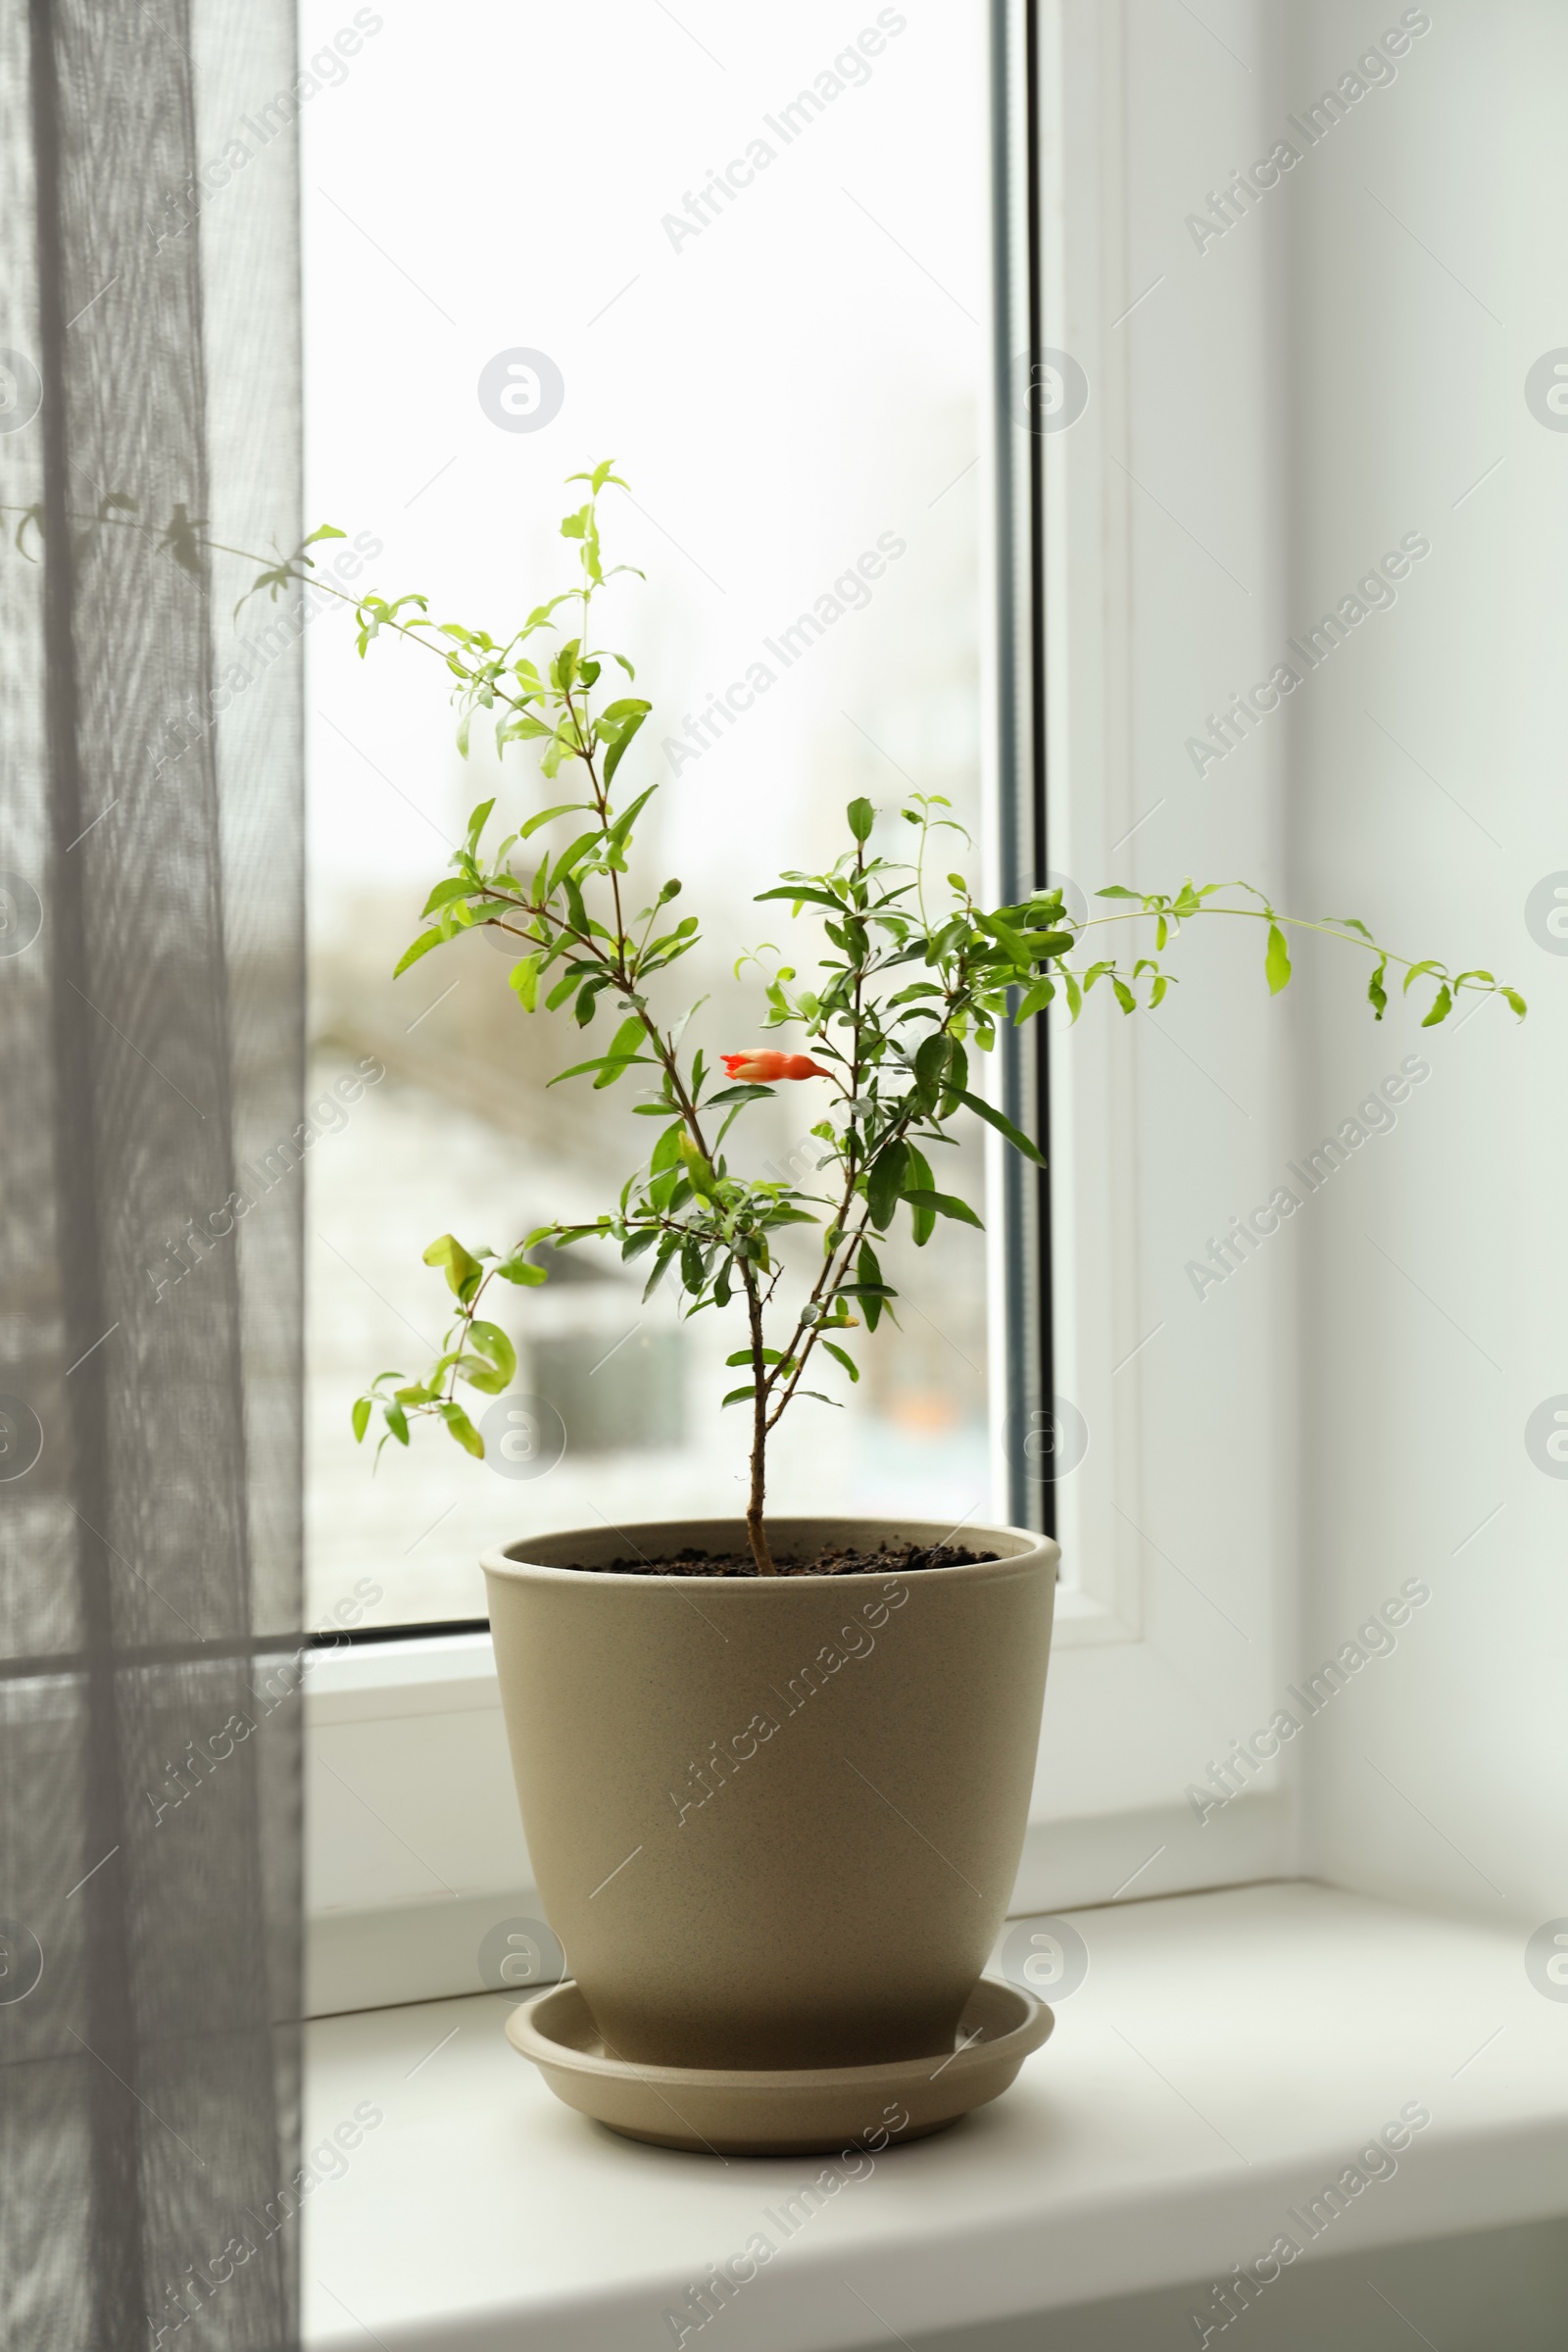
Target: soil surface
890 1559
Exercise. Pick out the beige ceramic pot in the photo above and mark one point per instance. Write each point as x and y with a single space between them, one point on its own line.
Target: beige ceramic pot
775 1822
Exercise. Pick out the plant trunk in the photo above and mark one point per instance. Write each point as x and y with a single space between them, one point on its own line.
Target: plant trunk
755 1532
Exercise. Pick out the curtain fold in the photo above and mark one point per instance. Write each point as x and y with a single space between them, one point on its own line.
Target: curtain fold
151 1015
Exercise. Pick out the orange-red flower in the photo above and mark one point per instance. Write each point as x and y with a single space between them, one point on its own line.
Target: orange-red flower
765 1068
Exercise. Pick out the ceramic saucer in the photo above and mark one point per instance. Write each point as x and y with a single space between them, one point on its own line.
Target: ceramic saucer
804 2111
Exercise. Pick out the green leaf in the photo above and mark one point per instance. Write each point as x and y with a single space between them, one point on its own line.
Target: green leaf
523 981
519 1270
626 730
492 1343
1005 937
1377 996
861 816
744 1093
1125 995
575 908
839 1357
1003 1125
463 1429
562 808
665 1152
579 1069
1415 971
1514 1000
870 1285
743 1356
666 1251
1114 889
800 892
945 1205
923 1220
930 1061
572 856
885 1183
519 727
1277 960
362 1417
478 820
738 1396
622 1052
462 1272
421 947
620 833
1441 1006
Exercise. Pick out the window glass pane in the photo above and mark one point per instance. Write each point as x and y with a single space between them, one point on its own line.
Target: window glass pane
754 248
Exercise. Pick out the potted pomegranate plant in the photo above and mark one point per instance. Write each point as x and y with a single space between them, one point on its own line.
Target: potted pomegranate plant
773 1771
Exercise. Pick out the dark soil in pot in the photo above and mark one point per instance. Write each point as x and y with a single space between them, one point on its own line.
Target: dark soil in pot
834 1560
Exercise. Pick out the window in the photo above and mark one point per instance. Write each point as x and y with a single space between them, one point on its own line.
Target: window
772 312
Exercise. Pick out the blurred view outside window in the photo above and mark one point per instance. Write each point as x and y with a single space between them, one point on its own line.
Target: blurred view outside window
747 261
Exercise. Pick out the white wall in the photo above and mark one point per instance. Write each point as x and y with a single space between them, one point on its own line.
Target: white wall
1285 403
1432 1276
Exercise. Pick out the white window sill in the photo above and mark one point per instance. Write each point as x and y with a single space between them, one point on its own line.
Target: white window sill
1227 2055
435 1674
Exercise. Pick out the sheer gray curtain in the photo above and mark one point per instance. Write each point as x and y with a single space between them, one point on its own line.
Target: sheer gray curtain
150 983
